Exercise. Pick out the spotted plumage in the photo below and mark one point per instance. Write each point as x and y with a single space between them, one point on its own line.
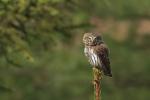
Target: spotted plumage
97 52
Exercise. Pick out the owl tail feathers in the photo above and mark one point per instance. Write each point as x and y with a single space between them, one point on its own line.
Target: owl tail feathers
107 72
110 75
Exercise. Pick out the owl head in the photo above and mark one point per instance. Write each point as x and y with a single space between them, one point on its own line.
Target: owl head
91 39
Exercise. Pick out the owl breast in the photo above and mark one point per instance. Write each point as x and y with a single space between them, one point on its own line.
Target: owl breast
92 57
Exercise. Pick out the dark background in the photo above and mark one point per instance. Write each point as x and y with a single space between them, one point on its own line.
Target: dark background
41 49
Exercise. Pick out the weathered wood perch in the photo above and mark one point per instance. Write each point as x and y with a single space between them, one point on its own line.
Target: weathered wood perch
97 76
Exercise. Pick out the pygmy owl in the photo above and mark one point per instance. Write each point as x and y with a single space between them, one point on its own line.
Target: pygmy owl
97 52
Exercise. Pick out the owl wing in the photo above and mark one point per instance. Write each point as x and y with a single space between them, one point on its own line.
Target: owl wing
103 54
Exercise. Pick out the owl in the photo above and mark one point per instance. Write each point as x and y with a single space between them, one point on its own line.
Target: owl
97 52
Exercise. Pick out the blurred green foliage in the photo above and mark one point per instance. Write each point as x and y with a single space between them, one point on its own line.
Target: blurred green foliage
26 23
121 8
41 51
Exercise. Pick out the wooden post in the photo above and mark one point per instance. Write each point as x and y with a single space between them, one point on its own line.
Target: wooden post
97 76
